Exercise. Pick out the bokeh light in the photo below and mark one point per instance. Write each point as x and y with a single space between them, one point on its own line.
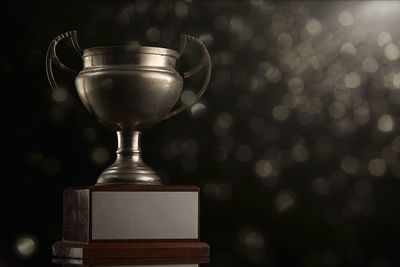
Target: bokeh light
297 127
26 246
313 26
345 18
285 200
100 155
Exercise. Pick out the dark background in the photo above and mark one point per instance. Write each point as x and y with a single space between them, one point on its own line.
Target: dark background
283 183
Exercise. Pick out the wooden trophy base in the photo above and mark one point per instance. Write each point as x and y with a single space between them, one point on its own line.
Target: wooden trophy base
134 252
131 224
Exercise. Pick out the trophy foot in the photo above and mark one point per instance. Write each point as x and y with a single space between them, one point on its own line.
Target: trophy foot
119 174
128 168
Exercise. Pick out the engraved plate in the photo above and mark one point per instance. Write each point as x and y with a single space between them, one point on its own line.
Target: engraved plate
144 215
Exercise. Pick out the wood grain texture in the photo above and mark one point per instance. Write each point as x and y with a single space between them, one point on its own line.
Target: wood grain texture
76 208
139 253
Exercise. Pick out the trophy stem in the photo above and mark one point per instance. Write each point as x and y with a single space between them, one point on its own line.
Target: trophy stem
129 144
129 167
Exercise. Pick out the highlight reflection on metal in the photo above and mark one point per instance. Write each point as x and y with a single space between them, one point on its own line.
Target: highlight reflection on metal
129 89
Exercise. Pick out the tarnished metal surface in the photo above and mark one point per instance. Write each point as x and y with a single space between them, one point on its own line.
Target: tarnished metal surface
129 89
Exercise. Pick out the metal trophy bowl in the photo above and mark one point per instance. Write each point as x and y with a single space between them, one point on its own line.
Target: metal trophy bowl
129 89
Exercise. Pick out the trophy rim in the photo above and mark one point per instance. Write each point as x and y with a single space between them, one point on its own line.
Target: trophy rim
103 50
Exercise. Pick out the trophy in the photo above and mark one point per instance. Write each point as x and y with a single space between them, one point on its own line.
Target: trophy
128 213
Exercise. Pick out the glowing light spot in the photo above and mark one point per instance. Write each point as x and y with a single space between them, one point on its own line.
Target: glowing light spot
224 120
370 64
246 33
337 110
59 94
285 40
285 200
272 74
392 52
207 39
385 123
25 246
181 9
267 7
300 153
142 6
320 186
377 167
100 155
348 49
153 34
296 85
352 80
253 242
123 18
297 7
263 168
132 45
226 57
198 109
254 239
314 106
396 80
236 23
256 3
350 165
313 26
361 115
345 18
188 97
289 100
383 39
305 49
396 144
280 113
257 85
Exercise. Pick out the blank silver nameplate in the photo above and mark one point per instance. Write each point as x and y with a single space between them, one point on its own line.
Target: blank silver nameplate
144 215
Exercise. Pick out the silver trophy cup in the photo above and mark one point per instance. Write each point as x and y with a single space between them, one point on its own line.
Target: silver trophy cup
129 89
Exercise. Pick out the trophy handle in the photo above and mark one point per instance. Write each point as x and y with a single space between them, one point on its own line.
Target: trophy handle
205 60
51 56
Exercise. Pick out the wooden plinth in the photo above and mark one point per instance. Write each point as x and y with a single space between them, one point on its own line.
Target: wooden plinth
178 252
80 244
